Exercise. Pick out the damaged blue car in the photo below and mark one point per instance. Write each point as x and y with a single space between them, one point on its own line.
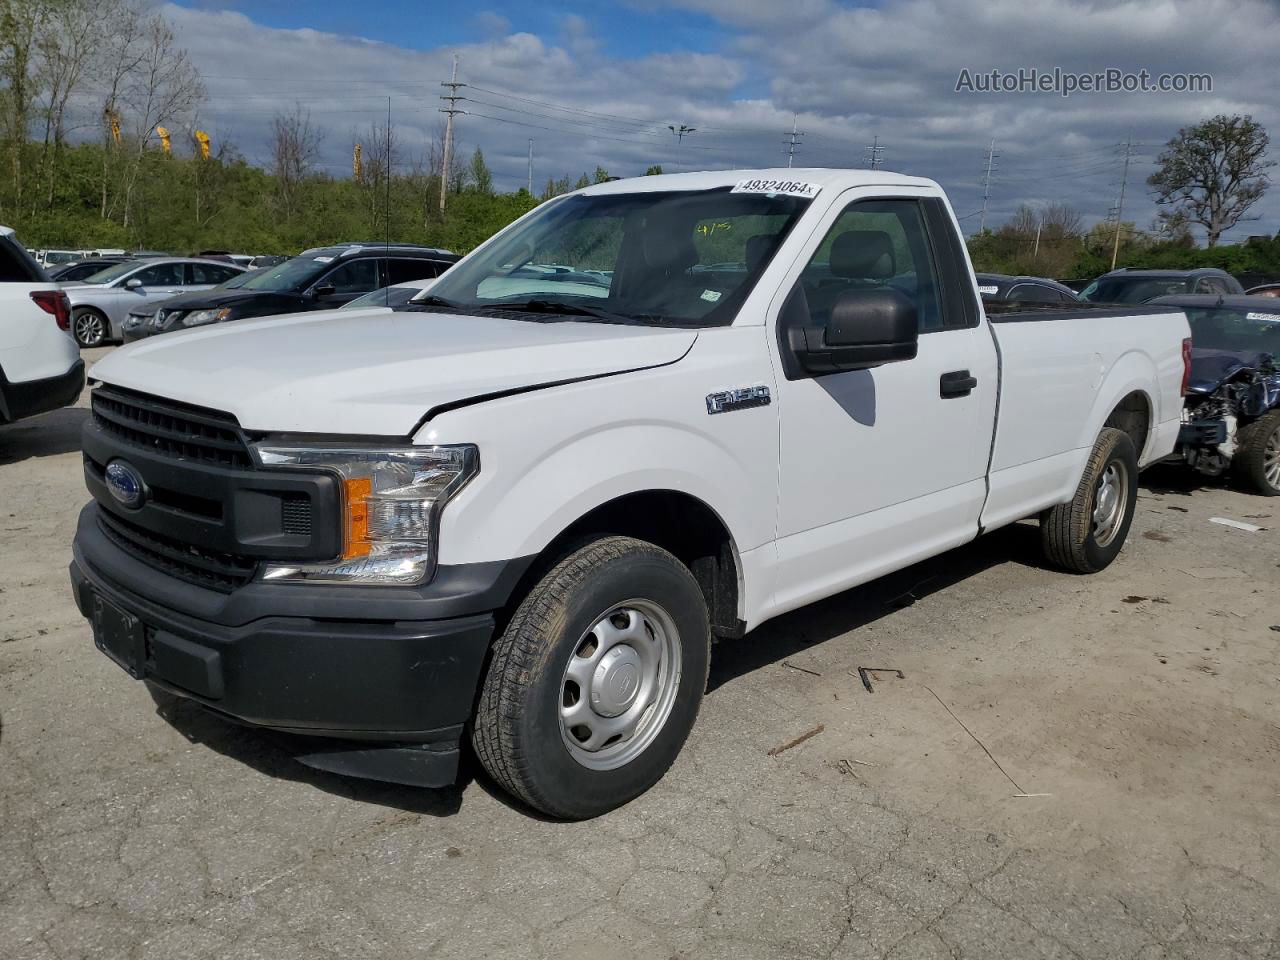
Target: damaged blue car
1232 415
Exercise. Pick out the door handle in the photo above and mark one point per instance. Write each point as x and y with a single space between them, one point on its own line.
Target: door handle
957 383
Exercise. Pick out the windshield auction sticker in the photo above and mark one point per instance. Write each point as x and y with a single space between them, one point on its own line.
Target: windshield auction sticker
788 188
1265 317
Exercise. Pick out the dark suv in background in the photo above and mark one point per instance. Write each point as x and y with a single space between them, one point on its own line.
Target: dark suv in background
318 279
1127 285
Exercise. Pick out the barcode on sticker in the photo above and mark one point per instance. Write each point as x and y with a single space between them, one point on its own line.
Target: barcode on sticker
788 188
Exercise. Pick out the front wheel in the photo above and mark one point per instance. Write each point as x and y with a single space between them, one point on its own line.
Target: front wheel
595 684
1257 458
89 327
1086 534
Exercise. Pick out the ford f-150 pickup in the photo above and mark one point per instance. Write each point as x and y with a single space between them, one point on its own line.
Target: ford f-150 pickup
648 414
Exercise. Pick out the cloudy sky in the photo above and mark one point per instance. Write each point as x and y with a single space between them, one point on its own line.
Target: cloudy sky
599 83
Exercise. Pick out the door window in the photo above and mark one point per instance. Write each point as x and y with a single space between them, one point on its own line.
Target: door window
405 270
160 275
875 243
210 273
353 277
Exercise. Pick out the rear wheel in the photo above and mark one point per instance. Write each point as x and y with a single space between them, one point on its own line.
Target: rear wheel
1086 534
1257 458
595 684
89 327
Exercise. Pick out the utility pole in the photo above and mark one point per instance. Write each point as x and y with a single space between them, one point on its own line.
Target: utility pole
1036 250
531 166
451 111
1124 179
873 157
680 133
793 141
986 184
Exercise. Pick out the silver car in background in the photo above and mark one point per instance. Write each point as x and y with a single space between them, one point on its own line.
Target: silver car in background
101 303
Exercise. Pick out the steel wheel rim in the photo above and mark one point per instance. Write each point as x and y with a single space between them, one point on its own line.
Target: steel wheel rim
88 328
1271 459
620 685
1109 499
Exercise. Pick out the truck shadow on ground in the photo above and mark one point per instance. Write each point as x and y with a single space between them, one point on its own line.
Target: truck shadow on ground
827 619
45 436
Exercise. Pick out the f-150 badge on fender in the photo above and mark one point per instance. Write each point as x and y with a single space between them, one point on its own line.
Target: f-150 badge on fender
743 398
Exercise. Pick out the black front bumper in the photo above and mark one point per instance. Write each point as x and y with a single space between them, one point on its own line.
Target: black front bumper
342 667
28 398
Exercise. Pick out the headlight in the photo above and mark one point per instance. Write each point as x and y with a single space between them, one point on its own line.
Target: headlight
198 317
392 500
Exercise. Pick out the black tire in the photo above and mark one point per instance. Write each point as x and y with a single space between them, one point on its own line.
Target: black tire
1068 531
518 733
94 324
1257 449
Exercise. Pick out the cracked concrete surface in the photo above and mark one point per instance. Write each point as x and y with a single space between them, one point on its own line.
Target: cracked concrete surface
1144 701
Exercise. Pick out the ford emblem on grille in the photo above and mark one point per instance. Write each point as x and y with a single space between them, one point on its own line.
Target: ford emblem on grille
125 484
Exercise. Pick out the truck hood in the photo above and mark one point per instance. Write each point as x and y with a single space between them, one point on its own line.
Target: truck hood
374 371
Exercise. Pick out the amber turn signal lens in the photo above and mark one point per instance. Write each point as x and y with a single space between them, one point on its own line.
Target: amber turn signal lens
356 543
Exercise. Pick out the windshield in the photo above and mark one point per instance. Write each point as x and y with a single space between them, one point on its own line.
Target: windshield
114 272
394 296
686 258
1133 289
290 276
1221 328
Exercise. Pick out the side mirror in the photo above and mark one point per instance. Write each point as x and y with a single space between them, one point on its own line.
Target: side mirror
325 290
867 328
133 283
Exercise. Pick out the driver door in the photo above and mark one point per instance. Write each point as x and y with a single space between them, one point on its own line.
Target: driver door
885 466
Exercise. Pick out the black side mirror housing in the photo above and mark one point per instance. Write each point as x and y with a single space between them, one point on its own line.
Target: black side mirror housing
325 290
867 328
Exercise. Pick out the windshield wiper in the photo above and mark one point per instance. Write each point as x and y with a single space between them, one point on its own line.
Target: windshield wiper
565 309
437 302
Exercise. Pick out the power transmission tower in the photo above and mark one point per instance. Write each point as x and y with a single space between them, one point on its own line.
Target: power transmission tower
873 156
452 110
986 184
793 141
680 133
1124 179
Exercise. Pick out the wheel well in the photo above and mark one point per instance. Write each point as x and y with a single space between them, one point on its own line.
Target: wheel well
677 522
1133 416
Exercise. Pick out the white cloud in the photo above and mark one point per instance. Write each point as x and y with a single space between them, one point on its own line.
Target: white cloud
850 73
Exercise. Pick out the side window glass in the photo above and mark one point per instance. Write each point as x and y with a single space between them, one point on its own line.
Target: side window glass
161 275
407 270
209 273
875 243
356 276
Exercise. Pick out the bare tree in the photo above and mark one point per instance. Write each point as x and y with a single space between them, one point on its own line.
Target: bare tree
67 48
381 156
295 144
120 53
163 89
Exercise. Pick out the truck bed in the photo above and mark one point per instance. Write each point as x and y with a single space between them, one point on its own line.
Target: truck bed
1025 311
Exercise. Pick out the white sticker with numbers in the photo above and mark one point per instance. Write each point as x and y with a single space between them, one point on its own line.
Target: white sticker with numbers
1265 317
788 188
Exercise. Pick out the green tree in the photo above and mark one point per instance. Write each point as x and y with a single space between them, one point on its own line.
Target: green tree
601 175
1213 173
581 182
478 173
654 171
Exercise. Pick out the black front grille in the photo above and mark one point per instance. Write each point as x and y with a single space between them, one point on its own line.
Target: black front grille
206 568
170 428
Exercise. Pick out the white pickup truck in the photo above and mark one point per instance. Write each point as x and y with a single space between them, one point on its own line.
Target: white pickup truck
649 414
